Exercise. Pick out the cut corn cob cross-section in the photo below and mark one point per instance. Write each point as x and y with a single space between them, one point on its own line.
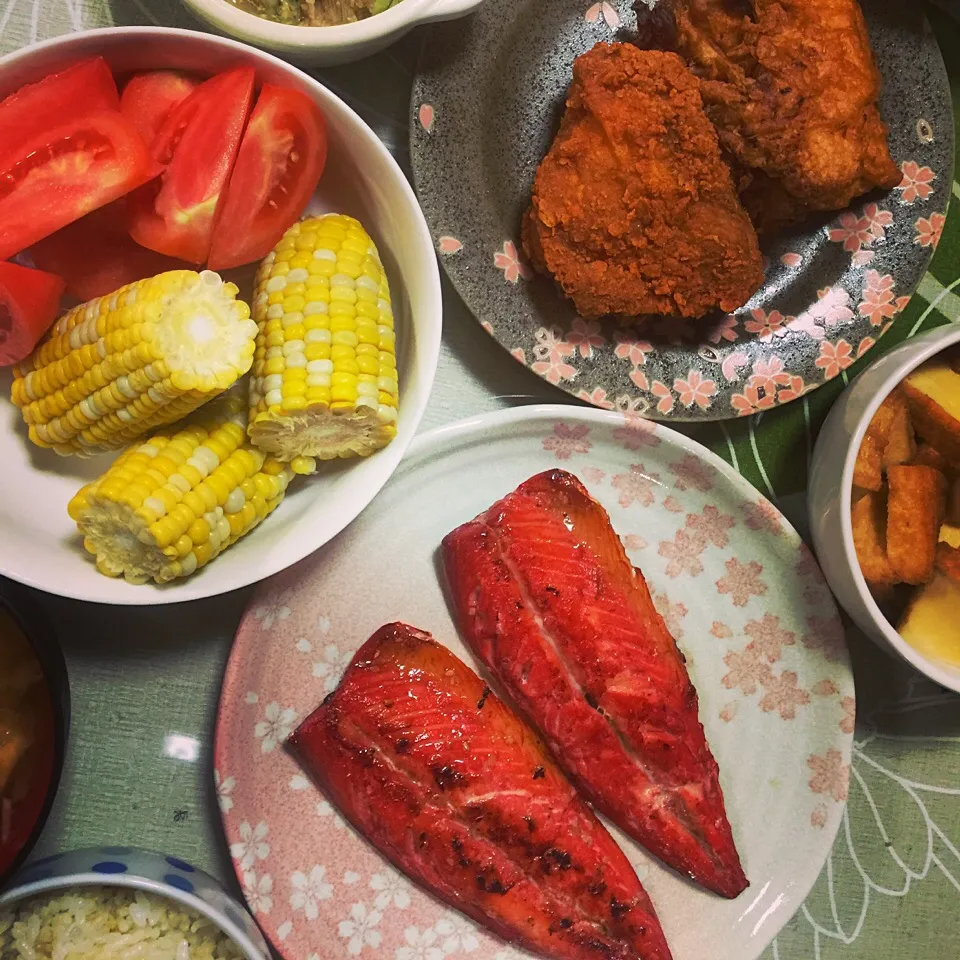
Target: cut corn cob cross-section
121 365
324 381
170 505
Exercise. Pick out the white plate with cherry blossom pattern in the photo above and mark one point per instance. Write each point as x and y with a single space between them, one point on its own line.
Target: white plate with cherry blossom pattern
485 106
739 590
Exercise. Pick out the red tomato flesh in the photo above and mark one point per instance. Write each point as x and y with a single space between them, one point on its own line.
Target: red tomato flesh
197 146
281 158
84 88
29 303
65 172
96 255
148 99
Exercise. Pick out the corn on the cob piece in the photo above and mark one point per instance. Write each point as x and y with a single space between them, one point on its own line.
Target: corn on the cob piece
324 381
171 504
117 367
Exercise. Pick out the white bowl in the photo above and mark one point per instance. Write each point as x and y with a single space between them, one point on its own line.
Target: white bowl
39 545
155 873
326 46
831 487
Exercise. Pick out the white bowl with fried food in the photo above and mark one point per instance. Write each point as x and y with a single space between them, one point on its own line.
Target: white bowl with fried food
880 484
40 545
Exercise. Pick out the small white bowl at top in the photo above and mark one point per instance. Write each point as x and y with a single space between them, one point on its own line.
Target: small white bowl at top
831 487
39 544
328 46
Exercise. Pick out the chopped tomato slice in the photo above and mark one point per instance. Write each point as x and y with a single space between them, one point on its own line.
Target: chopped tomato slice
29 303
65 173
281 158
84 88
148 99
197 146
96 254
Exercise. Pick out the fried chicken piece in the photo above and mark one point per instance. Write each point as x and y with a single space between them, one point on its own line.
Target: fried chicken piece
792 87
633 211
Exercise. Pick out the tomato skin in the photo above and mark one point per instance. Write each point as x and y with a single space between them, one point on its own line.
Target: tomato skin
86 87
96 255
29 303
197 146
281 159
148 99
95 159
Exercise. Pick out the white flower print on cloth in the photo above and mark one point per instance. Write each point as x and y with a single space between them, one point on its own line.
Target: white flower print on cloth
420 945
258 891
326 809
274 612
390 889
224 787
277 724
252 845
308 889
330 668
360 929
459 934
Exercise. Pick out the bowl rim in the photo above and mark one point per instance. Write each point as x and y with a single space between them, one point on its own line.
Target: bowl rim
425 322
34 624
915 351
13 895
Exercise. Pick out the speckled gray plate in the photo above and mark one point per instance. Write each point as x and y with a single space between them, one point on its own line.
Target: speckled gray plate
485 107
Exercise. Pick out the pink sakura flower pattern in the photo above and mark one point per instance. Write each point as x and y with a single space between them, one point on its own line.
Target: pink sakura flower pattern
629 347
510 262
553 371
729 711
832 306
488 326
742 581
849 719
637 486
636 432
665 397
746 671
783 695
807 564
856 232
917 182
448 245
826 635
929 230
732 364
878 302
834 357
518 353
711 526
725 329
768 375
593 474
631 405
672 504
603 12
639 379
683 552
767 325
796 389
720 630
825 688
671 612
791 259
818 817
751 401
550 344
633 541
806 323
426 117
762 515
693 472
830 774
862 257
695 390
865 344
768 637
568 439
585 336
598 397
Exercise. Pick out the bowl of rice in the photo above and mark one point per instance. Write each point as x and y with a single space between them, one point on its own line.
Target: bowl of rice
120 903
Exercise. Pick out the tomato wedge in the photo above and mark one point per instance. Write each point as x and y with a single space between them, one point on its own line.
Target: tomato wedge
65 172
96 255
148 99
84 88
29 303
281 158
197 145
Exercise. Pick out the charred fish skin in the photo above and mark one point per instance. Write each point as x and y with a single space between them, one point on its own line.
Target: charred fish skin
451 786
546 597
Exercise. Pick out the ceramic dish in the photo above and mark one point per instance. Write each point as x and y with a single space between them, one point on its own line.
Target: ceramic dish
326 46
24 631
739 590
831 487
154 873
40 545
484 110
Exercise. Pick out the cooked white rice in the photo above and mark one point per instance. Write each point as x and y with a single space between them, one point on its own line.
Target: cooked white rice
109 923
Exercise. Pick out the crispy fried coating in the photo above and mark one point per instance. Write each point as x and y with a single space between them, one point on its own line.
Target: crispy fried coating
792 88
633 211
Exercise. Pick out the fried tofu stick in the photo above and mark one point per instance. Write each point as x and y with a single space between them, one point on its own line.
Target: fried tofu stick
915 511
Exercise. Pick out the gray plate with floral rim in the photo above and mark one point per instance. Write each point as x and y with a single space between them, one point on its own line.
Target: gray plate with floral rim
485 106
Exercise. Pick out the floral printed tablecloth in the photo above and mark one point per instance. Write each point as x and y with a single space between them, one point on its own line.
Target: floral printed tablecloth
891 887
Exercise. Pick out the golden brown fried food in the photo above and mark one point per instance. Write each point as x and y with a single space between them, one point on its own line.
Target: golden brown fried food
792 87
633 212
